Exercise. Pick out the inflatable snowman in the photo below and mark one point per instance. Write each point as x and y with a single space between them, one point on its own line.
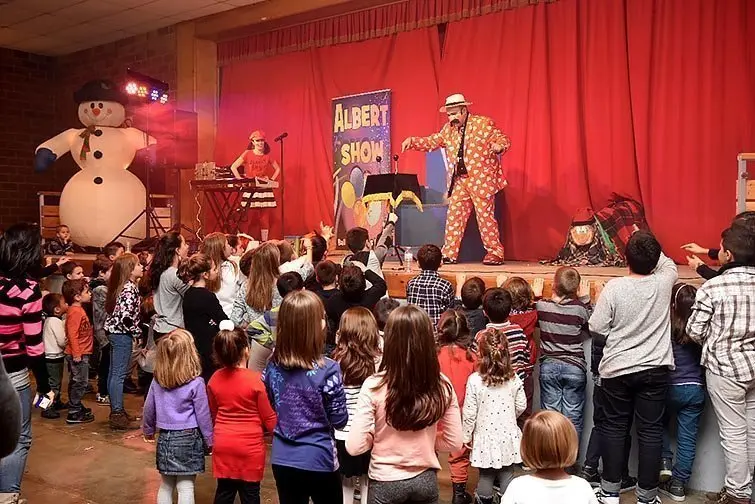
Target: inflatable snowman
104 198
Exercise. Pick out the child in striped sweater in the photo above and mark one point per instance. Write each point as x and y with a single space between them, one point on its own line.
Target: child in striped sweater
358 352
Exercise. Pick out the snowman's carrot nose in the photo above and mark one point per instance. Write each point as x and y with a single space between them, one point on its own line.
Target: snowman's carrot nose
96 112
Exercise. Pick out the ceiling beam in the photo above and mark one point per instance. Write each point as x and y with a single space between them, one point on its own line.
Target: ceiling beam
275 14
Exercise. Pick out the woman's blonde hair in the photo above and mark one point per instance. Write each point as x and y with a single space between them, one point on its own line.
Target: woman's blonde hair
263 273
494 357
549 441
177 360
213 246
300 338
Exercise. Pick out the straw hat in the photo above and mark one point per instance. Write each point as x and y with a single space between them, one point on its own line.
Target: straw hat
455 100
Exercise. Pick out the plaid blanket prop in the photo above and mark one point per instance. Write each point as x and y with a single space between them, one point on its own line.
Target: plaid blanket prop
619 218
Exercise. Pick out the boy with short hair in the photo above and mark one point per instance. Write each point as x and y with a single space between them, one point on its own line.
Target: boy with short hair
633 315
428 290
61 244
326 274
471 293
723 322
54 334
72 271
496 303
563 321
79 348
113 250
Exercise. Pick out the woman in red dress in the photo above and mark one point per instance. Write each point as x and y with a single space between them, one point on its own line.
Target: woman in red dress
256 163
241 414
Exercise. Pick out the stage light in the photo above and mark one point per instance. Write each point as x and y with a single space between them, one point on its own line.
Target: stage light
146 87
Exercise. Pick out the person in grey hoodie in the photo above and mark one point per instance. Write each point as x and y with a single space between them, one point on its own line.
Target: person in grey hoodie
633 314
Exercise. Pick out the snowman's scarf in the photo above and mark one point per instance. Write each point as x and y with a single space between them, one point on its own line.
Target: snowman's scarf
85 146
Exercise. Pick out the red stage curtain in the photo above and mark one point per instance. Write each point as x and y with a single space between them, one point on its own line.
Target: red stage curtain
389 19
652 99
293 92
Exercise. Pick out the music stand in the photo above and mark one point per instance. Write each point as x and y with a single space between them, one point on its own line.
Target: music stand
393 188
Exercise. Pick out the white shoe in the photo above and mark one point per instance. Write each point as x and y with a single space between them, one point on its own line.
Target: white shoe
606 497
11 498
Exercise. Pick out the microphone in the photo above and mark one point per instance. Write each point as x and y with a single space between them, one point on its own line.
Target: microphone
378 159
280 137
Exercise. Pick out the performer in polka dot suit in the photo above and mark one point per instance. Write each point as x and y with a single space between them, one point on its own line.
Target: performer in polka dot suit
472 146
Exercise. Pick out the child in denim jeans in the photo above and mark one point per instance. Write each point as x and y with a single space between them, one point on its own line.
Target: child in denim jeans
79 349
686 397
563 327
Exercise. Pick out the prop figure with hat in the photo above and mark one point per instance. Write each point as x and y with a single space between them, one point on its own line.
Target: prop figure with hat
255 162
472 146
101 199
587 244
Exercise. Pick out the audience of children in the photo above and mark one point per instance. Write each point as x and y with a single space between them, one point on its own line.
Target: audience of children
563 321
122 325
61 244
177 407
54 334
80 343
306 390
406 413
723 322
494 400
633 315
225 285
241 414
457 363
359 351
202 311
428 290
357 241
686 397
549 447
374 417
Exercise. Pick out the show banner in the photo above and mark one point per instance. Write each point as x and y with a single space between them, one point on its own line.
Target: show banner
361 146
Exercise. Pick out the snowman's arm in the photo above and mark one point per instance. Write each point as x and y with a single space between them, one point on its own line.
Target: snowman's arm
138 138
48 151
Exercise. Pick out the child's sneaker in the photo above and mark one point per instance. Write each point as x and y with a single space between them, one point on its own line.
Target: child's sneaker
673 489
606 497
50 414
79 417
103 400
61 405
657 500
591 475
628 483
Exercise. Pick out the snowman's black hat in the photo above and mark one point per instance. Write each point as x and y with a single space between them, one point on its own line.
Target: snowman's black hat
100 90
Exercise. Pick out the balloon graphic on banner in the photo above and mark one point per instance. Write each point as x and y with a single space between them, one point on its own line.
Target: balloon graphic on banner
348 195
374 212
360 213
357 180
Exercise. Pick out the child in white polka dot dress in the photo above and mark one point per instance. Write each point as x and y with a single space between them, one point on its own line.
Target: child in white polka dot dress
494 399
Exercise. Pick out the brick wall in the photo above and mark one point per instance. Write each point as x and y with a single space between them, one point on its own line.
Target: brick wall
36 103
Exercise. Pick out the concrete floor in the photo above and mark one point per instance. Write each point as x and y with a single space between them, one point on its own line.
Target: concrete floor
90 464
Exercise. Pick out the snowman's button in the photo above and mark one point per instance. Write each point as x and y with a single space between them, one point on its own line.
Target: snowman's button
97 154
97 132
98 180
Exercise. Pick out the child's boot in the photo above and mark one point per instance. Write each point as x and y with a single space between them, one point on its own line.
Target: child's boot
460 494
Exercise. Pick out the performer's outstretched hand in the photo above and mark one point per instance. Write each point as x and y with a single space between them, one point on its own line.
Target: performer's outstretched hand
406 144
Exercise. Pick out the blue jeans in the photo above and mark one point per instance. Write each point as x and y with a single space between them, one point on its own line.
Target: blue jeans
12 467
687 401
120 356
562 389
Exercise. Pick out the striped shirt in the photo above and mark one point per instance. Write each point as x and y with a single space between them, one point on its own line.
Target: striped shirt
723 322
20 323
518 348
563 328
352 393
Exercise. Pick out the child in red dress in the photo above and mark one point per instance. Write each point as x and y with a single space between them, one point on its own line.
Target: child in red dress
241 413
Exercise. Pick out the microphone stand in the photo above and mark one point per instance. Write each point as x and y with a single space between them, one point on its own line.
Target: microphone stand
280 140
398 251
